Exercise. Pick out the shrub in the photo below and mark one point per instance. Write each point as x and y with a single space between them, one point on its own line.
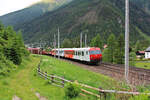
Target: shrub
72 90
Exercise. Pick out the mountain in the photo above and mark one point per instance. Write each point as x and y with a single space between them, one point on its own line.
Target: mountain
88 16
144 4
31 12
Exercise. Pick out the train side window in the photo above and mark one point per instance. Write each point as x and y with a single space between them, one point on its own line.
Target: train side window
79 53
82 53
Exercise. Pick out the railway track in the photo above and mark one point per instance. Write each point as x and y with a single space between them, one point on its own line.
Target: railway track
137 76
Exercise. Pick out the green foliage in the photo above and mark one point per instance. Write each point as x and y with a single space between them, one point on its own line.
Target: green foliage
97 41
105 55
5 65
67 43
132 59
119 50
90 16
141 45
114 53
138 46
111 42
12 49
140 97
72 90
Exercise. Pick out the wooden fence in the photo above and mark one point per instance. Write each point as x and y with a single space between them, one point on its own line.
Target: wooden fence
60 81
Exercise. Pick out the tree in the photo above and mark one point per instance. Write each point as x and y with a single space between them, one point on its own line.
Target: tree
67 43
119 50
111 42
12 49
132 58
137 46
97 42
76 42
105 55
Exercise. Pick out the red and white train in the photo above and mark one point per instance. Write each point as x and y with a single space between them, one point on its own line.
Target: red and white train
90 54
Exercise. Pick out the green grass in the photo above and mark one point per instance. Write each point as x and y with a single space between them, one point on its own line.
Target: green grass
73 72
18 83
25 82
143 64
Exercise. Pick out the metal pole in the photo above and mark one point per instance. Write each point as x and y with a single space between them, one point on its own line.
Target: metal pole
81 40
85 40
54 42
58 43
126 39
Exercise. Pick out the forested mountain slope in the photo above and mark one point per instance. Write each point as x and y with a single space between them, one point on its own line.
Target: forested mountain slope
88 16
144 4
31 12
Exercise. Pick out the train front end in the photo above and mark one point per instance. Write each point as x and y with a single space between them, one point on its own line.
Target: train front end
95 55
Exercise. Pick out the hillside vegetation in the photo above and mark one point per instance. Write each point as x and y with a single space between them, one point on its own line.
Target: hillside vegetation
88 16
12 50
144 4
31 12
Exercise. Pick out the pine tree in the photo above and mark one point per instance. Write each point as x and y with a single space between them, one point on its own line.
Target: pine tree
132 58
111 42
67 43
105 55
119 50
137 46
97 42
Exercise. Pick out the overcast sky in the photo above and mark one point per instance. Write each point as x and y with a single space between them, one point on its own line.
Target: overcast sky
7 6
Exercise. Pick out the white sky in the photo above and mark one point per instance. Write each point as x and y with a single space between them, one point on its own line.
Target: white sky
7 6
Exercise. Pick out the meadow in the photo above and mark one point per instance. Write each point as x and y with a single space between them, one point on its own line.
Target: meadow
24 82
143 64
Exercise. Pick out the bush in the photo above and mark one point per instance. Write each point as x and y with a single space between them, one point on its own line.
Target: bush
72 90
140 97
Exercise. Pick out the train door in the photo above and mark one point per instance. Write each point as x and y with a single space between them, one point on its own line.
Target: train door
82 55
86 56
75 54
79 55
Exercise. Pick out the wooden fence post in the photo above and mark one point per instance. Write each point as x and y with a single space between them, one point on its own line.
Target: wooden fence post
45 75
63 82
52 78
102 94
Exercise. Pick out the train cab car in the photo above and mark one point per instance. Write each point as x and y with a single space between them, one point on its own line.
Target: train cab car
95 55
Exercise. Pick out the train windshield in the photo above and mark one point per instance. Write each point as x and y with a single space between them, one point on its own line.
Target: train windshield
95 52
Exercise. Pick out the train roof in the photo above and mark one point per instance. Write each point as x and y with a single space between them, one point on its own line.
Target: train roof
33 48
87 48
148 49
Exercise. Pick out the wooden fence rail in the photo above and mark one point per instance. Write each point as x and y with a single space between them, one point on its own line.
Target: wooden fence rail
60 81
